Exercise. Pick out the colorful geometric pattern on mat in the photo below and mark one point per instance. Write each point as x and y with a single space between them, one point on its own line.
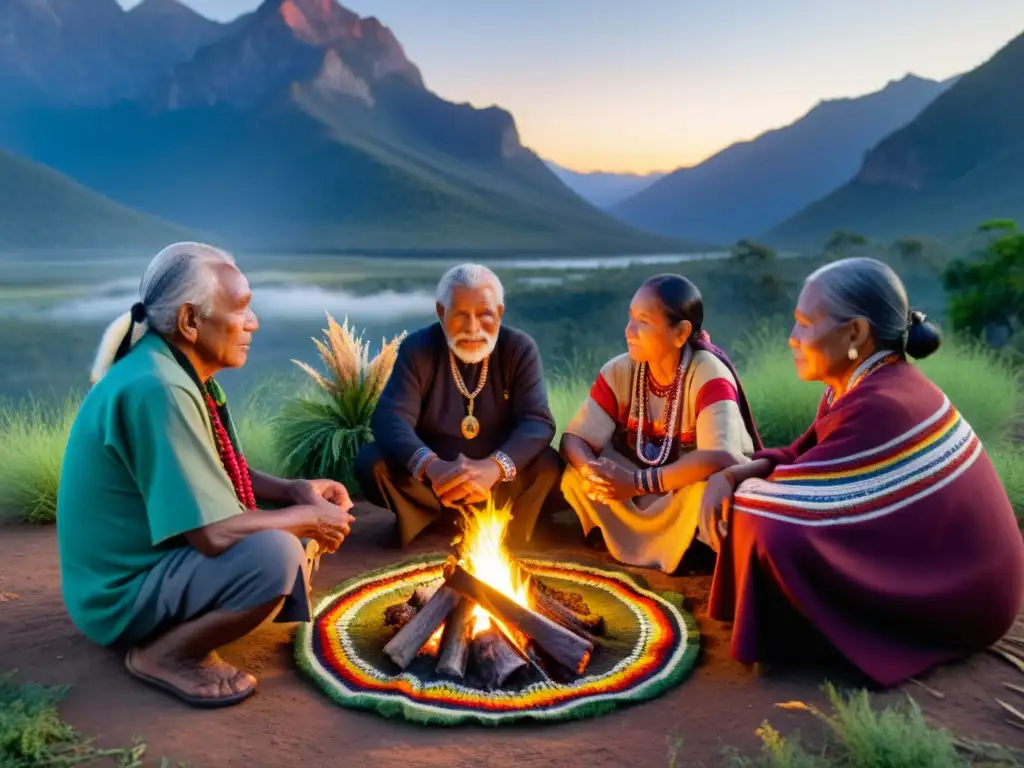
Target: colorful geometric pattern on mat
650 644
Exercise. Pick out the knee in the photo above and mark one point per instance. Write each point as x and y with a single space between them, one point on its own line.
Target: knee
572 480
273 556
369 463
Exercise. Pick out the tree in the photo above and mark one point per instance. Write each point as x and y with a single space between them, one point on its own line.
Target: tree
747 250
987 293
841 240
909 247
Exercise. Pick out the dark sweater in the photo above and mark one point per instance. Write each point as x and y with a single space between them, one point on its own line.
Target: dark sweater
421 405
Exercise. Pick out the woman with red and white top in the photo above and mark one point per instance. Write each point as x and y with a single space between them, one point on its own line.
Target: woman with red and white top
659 420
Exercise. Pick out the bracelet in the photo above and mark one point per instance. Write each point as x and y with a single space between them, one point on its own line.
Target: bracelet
420 461
648 480
508 467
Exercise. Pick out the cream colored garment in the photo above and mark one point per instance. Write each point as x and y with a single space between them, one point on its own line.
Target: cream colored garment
652 531
655 530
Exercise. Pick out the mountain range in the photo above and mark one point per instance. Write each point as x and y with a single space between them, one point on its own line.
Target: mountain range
752 185
44 209
959 163
299 125
602 188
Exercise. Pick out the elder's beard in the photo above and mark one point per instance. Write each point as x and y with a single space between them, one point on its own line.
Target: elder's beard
472 357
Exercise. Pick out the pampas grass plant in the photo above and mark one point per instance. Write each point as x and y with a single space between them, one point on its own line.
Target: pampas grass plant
319 433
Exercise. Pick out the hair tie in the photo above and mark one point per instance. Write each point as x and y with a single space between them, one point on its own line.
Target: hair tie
138 312
916 318
703 336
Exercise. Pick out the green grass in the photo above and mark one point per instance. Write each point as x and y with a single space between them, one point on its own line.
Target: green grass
33 734
860 736
32 439
983 385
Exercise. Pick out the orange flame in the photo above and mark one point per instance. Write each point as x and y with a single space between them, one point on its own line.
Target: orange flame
482 552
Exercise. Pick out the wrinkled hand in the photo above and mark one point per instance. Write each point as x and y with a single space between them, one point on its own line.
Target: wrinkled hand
312 491
605 481
331 525
463 481
331 521
715 505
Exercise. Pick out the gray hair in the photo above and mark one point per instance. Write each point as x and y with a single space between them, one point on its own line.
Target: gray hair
468 276
869 289
180 274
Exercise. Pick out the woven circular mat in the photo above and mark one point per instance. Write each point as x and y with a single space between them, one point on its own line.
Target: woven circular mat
649 645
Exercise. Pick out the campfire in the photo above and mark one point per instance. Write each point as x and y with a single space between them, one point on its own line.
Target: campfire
489 622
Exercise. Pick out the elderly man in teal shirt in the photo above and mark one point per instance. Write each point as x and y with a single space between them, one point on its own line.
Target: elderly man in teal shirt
163 550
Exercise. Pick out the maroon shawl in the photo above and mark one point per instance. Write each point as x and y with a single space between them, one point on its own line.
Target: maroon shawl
884 526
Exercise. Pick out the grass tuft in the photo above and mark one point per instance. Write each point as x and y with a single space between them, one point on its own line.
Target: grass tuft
32 439
859 736
33 734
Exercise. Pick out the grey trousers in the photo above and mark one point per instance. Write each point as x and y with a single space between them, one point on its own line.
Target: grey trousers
186 584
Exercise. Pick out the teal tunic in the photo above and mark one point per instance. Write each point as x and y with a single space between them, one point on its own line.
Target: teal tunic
140 469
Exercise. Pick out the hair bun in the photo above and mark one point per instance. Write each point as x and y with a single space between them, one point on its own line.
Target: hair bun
923 336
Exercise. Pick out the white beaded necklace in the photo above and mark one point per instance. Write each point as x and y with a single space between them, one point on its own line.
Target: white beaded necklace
672 409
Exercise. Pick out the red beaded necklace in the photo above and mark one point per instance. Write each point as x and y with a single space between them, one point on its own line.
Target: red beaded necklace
233 461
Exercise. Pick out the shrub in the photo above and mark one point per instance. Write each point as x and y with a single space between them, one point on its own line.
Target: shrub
320 432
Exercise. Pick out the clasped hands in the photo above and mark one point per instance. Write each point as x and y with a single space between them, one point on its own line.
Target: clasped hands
330 523
463 481
605 481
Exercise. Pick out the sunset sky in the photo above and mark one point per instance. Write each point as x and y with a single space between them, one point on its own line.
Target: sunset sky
656 84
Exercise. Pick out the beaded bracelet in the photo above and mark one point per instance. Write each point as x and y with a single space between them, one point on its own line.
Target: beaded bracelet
648 480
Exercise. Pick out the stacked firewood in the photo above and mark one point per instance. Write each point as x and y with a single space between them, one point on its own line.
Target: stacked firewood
553 638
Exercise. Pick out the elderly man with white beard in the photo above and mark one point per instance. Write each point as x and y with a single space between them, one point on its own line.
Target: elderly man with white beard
464 416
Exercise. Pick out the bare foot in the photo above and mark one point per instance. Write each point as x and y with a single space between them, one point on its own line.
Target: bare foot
208 680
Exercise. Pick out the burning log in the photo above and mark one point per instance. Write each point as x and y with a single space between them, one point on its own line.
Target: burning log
422 594
580 625
455 641
398 615
404 646
494 657
563 646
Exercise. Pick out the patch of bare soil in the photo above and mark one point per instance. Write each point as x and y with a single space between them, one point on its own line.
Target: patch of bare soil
289 722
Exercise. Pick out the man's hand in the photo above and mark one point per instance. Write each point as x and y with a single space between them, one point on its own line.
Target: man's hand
313 491
463 481
329 525
329 520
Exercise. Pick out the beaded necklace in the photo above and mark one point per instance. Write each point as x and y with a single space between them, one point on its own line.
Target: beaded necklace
233 460
675 392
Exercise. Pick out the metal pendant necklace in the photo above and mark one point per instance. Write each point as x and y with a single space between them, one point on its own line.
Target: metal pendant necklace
470 425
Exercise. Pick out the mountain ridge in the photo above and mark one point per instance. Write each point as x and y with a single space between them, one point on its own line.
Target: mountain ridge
604 189
751 185
303 126
955 165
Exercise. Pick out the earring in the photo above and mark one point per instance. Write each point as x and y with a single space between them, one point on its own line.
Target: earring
852 353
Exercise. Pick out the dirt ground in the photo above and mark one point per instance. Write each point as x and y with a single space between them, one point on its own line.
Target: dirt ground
290 722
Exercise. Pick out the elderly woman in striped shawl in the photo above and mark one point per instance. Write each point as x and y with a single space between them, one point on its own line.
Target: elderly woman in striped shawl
659 420
883 532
